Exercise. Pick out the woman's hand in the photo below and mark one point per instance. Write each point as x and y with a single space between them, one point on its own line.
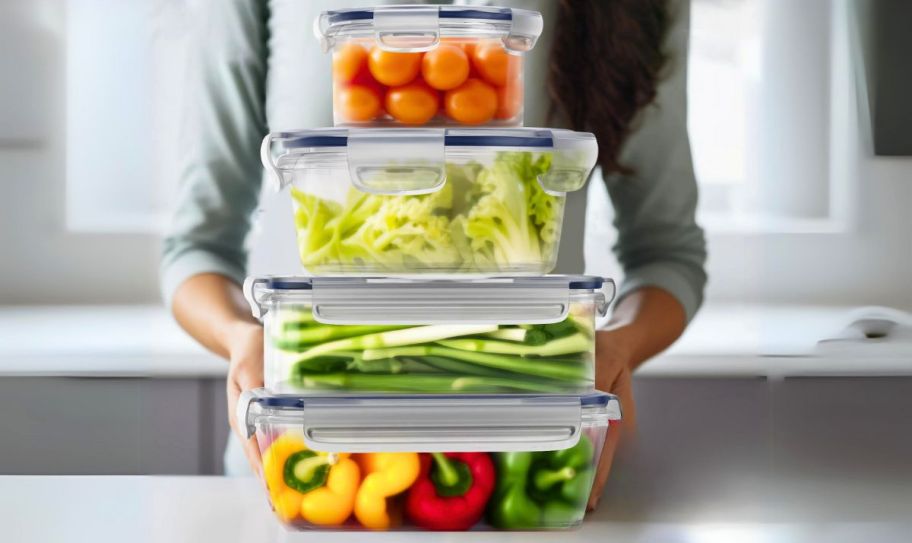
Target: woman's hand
612 374
212 309
643 323
245 371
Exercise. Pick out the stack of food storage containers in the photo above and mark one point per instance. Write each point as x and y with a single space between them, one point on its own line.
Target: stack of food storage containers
428 374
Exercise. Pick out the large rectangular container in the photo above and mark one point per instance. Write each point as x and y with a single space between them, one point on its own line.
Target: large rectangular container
432 200
428 65
525 335
431 463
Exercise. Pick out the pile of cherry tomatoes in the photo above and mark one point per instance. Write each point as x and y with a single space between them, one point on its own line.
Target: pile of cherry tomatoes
466 81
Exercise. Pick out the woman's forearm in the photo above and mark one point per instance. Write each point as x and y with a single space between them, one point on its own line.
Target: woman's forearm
646 322
211 307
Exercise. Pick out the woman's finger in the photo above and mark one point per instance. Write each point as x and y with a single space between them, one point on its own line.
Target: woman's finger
623 389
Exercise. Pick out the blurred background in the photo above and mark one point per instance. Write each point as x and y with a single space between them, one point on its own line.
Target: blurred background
799 119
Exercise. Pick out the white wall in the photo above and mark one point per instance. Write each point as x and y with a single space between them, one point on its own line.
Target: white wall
40 262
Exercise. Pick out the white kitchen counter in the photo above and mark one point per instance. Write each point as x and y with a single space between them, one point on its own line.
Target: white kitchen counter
723 340
104 341
216 509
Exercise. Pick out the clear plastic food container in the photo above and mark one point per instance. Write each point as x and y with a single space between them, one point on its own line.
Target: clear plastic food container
529 335
428 65
428 463
429 200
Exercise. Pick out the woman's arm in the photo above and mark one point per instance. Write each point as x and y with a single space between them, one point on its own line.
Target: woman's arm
212 309
660 246
204 256
659 242
644 323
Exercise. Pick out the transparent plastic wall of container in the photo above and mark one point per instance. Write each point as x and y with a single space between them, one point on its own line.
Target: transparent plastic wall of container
428 65
529 335
429 200
429 463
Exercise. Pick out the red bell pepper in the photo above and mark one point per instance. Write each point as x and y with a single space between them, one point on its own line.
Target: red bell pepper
452 490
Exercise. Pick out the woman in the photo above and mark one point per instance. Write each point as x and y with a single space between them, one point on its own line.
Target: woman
615 68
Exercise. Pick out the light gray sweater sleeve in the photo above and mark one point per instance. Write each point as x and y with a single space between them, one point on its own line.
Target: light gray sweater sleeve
224 122
659 242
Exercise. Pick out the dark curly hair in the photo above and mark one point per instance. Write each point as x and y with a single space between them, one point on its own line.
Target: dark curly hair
604 66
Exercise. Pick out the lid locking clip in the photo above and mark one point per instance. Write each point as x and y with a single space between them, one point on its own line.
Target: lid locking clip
378 165
525 28
250 294
407 29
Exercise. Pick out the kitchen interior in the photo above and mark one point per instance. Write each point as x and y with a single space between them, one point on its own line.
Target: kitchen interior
780 415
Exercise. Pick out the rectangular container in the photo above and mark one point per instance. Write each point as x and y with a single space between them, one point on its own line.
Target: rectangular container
428 65
428 463
528 335
431 200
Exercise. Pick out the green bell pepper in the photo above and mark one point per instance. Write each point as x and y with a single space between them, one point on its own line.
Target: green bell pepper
542 490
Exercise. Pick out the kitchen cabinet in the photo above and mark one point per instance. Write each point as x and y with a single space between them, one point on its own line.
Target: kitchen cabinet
91 425
692 431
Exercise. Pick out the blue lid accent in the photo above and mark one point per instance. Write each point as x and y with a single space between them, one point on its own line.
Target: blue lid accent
498 141
289 283
574 282
350 15
450 140
586 283
316 141
453 12
595 399
445 12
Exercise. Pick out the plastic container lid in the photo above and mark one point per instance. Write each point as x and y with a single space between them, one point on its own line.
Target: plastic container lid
364 300
420 27
419 155
430 423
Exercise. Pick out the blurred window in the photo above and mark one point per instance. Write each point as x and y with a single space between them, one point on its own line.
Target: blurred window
118 121
759 113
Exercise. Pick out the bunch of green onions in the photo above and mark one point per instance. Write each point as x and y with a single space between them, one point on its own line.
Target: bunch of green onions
435 359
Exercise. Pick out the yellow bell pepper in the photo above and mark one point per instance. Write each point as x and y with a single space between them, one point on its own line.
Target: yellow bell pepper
318 487
385 475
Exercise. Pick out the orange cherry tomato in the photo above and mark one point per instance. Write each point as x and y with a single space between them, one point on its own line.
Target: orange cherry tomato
467 45
392 68
494 63
414 103
364 78
469 48
509 100
446 67
347 61
357 103
473 102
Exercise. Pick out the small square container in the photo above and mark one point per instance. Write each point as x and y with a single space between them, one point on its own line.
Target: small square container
428 463
390 201
428 65
526 335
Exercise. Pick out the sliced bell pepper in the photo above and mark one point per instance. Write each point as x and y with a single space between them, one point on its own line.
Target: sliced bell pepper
542 490
318 487
385 475
452 490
